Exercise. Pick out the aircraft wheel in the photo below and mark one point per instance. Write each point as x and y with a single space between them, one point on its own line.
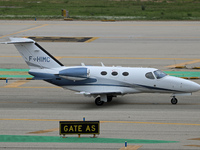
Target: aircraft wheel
109 98
174 101
98 101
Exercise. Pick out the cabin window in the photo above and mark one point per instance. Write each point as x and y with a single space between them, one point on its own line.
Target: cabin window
159 74
114 73
125 73
103 73
149 75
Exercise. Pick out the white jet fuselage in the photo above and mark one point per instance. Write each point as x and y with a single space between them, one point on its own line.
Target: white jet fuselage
97 80
133 80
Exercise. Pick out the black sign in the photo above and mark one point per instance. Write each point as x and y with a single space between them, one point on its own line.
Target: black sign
79 127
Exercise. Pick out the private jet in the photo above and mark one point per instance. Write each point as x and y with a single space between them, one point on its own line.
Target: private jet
101 82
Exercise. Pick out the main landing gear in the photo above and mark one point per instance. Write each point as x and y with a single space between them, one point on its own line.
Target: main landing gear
99 101
174 100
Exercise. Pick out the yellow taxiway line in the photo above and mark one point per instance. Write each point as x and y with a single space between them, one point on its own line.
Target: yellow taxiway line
131 147
24 30
133 122
30 87
101 57
43 131
92 39
193 145
195 139
16 84
163 123
184 63
58 57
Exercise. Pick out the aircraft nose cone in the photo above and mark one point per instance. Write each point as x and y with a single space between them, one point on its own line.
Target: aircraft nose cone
195 87
184 85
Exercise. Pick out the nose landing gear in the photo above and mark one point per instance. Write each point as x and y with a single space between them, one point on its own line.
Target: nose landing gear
174 100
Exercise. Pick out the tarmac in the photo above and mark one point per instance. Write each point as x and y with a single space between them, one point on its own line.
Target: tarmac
31 110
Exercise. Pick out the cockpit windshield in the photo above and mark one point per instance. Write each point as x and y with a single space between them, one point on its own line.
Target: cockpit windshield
159 74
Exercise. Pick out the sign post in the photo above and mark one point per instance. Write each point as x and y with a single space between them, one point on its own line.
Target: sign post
79 127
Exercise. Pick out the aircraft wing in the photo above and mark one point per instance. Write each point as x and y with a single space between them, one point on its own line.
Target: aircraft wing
101 93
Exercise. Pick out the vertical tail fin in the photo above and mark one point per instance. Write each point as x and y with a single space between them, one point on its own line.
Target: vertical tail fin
34 55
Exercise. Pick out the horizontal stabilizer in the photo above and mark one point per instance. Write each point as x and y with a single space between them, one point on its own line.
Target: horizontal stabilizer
18 41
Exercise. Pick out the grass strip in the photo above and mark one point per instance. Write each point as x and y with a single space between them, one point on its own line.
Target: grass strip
102 9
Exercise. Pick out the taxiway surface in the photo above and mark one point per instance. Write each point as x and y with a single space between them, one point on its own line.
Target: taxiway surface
35 107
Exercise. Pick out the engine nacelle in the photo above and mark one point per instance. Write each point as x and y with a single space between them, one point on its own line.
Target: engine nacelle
75 73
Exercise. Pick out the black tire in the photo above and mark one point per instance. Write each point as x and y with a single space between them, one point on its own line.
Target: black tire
98 101
174 101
